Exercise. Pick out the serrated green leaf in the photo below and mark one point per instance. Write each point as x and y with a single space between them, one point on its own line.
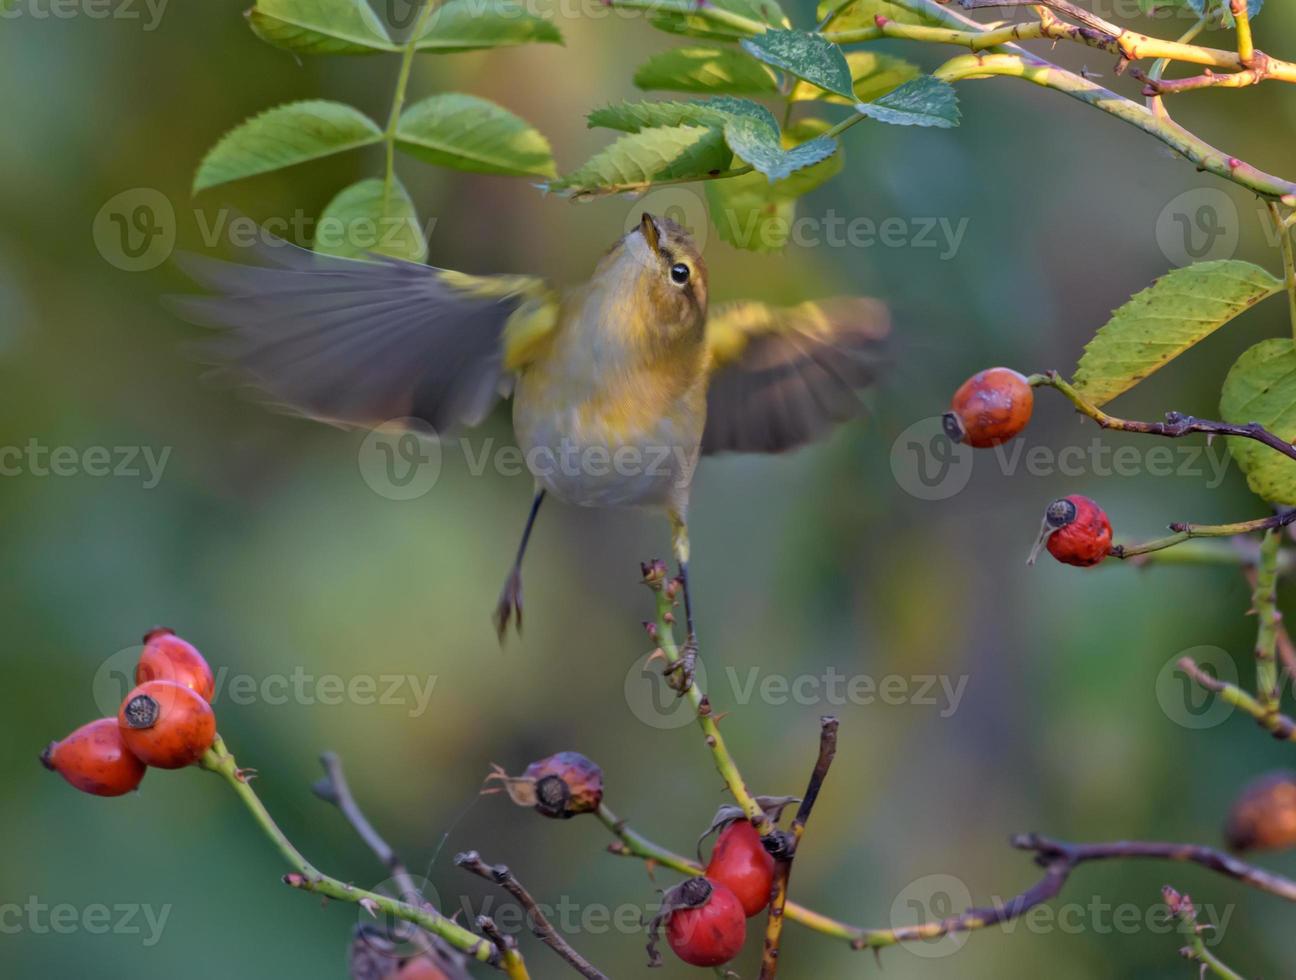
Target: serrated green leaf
925 101
752 213
1261 387
284 136
637 160
632 117
760 146
681 17
872 76
715 70
320 26
810 57
365 220
471 25
469 133
862 13
1160 323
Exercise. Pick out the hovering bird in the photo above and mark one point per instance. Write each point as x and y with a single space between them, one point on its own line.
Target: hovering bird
618 385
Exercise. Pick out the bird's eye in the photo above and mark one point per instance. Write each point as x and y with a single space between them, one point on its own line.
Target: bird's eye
679 273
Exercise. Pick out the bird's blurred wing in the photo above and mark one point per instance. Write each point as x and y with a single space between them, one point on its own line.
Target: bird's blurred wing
784 376
364 342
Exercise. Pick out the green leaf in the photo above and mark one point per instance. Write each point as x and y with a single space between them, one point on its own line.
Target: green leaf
872 74
361 221
810 57
470 25
760 146
469 133
861 13
640 159
1164 320
706 70
284 136
752 213
631 117
1261 387
320 26
925 101
683 18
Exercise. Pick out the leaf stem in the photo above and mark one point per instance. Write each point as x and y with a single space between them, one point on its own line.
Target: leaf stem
408 50
1277 724
1242 22
1185 532
306 877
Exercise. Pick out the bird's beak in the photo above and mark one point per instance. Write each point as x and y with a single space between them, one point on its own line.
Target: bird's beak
648 228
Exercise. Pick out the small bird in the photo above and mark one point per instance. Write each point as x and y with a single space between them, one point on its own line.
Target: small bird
618 385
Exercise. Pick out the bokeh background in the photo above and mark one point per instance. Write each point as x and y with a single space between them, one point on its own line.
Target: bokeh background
265 541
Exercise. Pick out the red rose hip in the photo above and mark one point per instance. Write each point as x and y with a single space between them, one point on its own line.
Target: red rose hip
166 725
990 408
166 657
1075 531
741 862
94 759
705 923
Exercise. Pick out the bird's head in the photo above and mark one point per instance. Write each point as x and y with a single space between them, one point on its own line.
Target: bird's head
660 273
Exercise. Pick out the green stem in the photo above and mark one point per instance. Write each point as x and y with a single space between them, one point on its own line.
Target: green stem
724 762
1283 227
1264 601
398 98
1185 532
1277 724
1155 73
1242 21
306 877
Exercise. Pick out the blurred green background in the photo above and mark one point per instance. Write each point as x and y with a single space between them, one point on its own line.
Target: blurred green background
265 542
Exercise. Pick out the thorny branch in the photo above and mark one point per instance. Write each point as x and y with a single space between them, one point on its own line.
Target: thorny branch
541 926
788 845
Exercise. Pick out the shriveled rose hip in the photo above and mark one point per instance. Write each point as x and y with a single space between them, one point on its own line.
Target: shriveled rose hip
1076 531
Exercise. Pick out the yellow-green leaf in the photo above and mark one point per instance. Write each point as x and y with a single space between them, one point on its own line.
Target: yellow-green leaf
1160 323
470 25
320 26
680 17
711 70
861 13
284 136
367 219
638 160
1261 387
474 134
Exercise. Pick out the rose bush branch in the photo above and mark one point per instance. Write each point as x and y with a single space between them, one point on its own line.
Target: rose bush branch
501 875
1185 914
1058 858
1182 532
306 877
1277 724
679 667
789 843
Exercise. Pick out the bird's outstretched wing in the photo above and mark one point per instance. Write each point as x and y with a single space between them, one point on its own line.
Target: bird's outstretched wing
784 376
363 342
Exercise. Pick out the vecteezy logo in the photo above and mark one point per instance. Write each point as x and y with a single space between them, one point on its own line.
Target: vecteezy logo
927 464
136 230
652 700
1187 703
931 899
114 679
677 204
401 459
1198 224
392 936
